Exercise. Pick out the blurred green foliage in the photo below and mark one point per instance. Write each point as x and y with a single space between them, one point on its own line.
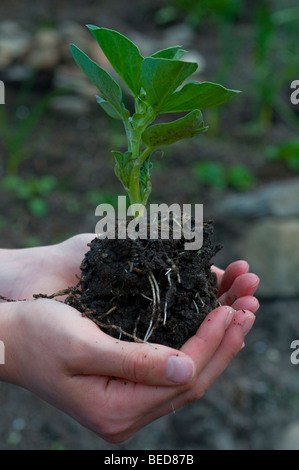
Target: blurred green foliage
286 152
220 177
197 12
18 124
266 31
32 191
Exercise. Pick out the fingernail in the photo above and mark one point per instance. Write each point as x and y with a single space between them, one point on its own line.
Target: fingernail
248 324
229 318
179 369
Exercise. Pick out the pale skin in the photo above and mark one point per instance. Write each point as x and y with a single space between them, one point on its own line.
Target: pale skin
112 387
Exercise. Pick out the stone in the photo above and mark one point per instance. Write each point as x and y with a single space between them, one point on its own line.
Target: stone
279 199
16 73
194 56
180 34
46 51
15 42
290 438
70 105
71 78
271 247
145 43
74 33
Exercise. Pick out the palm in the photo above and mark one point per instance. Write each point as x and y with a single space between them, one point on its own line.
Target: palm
52 268
44 269
81 359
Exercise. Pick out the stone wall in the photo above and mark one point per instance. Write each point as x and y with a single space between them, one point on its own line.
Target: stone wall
271 240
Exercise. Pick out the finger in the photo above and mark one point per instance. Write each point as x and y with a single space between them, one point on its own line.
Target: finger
247 302
234 270
141 363
219 272
202 346
233 325
232 343
159 401
243 285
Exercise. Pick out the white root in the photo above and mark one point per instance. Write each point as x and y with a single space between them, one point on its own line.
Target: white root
173 268
148 332
202 302
195 304
157 287
156 300
146 297
165 312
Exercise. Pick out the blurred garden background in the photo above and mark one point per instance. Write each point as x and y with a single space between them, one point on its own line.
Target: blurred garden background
56 166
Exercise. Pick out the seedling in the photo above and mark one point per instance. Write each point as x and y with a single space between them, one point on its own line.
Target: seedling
136 289
153 82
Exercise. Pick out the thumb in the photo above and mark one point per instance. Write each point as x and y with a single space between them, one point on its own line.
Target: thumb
140 362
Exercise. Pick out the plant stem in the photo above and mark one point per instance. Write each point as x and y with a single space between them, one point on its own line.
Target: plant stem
138 158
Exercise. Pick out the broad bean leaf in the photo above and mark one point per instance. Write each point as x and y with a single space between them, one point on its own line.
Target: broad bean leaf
168 133
108 108
196 95
122 158
161 77
101 79
174 52
122 54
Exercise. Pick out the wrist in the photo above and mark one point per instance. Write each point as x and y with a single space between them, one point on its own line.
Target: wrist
7 343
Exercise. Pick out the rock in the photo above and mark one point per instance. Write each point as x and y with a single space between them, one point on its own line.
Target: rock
271 247
145 43
70 78
275 199
16 74
15 42
290 438
179 34
74 33
70 105
46 52
194 56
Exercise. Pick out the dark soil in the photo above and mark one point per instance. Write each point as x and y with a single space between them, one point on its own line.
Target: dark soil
147 290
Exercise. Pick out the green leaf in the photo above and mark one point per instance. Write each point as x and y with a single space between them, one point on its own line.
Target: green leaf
122 54
174 52
168 133
161 77
101 79
196 95
122 158
108 108
120 169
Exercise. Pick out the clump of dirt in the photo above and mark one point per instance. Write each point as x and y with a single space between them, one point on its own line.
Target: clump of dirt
147 290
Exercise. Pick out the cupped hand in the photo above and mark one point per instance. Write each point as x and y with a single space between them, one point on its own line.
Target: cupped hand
113 387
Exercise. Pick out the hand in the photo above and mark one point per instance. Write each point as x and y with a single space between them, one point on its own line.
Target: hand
112 387
45 269
236 286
